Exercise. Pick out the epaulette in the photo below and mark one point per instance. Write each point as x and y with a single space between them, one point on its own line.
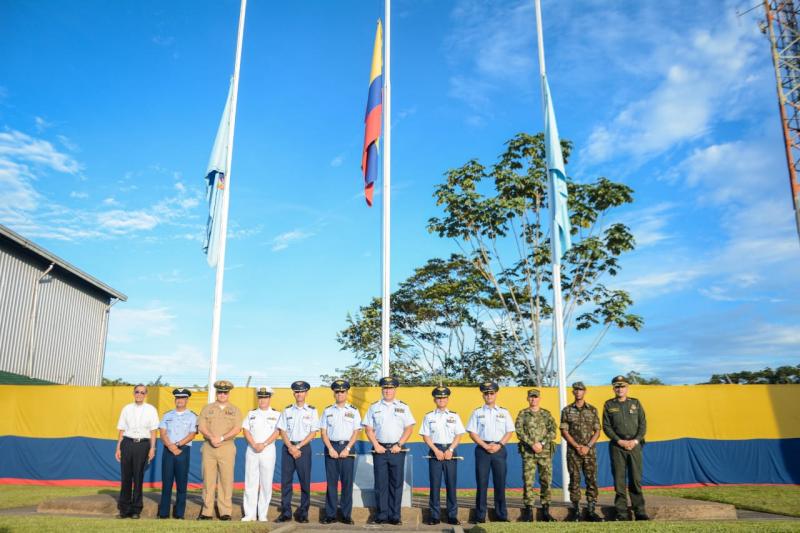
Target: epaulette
310 406
401 401
331 405
379 401
288 406
452 412
430 412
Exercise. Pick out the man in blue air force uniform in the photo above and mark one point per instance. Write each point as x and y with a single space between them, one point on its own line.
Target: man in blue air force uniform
177 430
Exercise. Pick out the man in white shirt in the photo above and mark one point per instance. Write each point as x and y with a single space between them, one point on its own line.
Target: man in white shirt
136 448
388 425
298 424
442 430
260 430
490 426
340 426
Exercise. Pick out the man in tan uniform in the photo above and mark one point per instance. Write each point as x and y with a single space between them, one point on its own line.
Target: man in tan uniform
219 423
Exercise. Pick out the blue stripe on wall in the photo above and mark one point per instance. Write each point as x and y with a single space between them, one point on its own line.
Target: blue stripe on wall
675 462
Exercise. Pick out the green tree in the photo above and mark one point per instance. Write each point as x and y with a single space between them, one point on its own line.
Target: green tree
767 376
499 219
119 382
635 378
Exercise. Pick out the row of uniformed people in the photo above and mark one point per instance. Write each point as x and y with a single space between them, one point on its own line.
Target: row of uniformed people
388 425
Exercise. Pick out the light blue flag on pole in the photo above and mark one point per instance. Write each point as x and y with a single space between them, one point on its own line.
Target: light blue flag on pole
556 172
216 174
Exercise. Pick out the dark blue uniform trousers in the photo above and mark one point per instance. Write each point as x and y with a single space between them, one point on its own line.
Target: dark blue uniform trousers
339 470
435 471
388 469
290 465
484 461
174 468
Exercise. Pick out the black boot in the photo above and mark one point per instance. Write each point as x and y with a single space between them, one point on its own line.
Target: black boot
527 514
575 513
593 516
546 516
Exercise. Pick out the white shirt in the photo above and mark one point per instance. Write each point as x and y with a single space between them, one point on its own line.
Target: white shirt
298 422
137 421
441 426
490 423
261 423
389 420
340 422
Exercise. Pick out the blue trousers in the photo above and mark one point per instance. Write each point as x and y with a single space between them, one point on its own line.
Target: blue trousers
496 462
174 468
388 469
290 465
435 470
339 470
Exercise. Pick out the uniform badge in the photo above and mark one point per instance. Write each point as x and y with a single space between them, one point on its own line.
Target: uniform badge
451 420
349 415
633 407
399 410
613 409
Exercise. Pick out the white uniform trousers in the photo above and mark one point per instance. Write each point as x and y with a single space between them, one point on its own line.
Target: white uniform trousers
258 470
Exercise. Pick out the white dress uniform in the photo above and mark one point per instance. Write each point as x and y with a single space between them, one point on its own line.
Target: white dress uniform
259 466
389 420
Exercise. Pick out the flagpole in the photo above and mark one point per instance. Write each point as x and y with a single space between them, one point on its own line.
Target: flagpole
387 171
215 323
555 251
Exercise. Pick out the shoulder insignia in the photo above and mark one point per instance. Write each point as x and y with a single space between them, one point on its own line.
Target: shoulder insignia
311 407
331 405
430 412
288 406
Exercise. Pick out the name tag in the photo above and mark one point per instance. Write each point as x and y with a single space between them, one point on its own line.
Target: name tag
349 415
451 420
399 410
613 409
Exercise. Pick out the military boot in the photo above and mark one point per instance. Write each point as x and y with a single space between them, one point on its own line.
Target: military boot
546 516
527 514
575 513
593 516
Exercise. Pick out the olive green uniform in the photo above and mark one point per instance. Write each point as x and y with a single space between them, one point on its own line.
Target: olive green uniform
218 462
581 423
533 427
626 421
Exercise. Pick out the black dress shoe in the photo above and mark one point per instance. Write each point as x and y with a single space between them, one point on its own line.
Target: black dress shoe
135 516
503 520
480 520
162 517
301 519
454 521
122 516
379 521
642 517
348 521
283 518
225 517
432 522
204 517
177 517
327 520
396 522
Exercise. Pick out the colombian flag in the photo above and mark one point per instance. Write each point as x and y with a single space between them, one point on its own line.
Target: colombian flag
372 130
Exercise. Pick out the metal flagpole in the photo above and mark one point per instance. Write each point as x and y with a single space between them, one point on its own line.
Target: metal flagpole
555 250
215 324
387 170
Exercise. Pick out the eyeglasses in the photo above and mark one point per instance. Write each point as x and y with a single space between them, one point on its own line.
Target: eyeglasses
620 386
489 393
140 392
221 392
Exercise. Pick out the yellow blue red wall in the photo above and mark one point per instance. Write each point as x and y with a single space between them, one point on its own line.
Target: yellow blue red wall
703 434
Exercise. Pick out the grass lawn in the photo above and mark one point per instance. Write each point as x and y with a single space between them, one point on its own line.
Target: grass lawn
635 527
781 499
61 524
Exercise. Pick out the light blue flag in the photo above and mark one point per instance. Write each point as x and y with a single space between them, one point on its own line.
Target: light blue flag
555 170
216 174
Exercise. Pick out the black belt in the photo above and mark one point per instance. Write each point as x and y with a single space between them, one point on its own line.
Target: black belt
445 446
340 442
388 444
136 440
296 442
492 442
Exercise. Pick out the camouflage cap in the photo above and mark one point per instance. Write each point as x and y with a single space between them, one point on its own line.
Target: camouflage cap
389 382
223 385
264 392
181 393
619 380
578 385
440 392
300 386
534 393
340 385
489 386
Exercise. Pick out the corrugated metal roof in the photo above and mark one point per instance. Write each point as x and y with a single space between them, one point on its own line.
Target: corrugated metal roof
44 254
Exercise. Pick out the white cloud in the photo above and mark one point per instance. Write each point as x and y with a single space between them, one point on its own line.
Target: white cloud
78 194
282 241
160 362
130 324
110 201
20 147
120 222
338 160
42 124
649 224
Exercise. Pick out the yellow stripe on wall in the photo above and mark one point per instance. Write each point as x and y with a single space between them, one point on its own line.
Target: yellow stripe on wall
723 412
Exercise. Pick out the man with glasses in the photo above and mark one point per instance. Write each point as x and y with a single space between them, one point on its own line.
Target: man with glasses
177 429
136 448
219 423
298 425
490 426
388 425
340 426
625 424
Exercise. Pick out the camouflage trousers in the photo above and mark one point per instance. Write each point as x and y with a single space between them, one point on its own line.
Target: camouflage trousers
530 462
588 464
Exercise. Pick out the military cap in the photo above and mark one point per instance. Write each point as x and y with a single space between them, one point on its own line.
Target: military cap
579 385
264 392
534 393
300 386
619 380
181 393
223 385
340 385
489 386
389 382
440 392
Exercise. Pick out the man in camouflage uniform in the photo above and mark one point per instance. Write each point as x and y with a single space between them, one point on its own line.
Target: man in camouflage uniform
580 428
625 424
536 431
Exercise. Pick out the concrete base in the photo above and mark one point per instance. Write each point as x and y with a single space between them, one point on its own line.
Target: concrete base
658 507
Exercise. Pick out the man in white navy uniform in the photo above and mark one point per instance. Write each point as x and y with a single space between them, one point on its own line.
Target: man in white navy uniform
388 425
442 430
490 426
177 430
136 448
261 431
298 424
339 428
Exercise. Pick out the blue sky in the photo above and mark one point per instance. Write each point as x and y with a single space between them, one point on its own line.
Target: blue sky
108 112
